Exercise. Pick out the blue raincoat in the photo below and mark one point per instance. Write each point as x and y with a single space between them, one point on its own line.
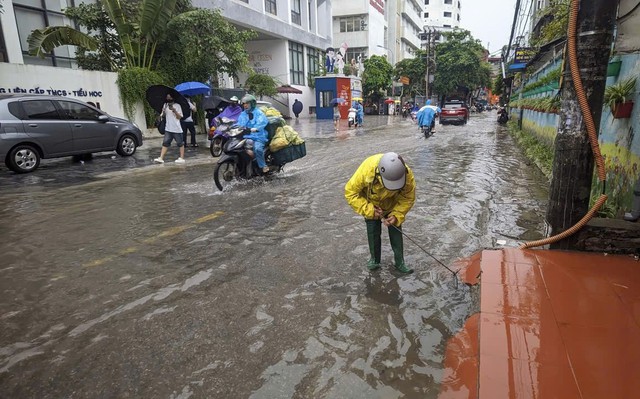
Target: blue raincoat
259 122
425 116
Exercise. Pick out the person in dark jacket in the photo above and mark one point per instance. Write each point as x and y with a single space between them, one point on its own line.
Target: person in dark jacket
297 107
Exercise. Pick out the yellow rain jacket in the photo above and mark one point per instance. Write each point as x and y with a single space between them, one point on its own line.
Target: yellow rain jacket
365 190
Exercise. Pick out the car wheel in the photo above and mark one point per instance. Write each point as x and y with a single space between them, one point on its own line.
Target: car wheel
23 159
127 145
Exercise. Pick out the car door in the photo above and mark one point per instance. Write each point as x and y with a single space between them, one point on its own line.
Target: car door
42 122
89 133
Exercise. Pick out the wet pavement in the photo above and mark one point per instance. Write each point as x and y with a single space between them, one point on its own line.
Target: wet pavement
121 278
552 324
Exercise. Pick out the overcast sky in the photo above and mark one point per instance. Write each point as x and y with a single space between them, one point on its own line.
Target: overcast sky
488 20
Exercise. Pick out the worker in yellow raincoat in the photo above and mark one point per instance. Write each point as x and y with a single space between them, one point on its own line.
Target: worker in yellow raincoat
383 190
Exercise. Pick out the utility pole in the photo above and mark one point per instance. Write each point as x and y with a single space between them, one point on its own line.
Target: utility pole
573 162
426 77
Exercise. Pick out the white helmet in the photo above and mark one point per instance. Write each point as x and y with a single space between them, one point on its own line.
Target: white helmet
392 171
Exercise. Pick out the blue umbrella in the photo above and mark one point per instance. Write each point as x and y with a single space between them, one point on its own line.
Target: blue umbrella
192 88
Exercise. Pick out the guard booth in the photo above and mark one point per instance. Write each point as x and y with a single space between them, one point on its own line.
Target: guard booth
330 88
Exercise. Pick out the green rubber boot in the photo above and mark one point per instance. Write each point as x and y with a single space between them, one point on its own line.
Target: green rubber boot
397 244
375 244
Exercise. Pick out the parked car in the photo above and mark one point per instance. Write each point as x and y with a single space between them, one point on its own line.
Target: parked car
454 111
33 127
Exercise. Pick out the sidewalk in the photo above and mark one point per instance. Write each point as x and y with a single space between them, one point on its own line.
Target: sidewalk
552 324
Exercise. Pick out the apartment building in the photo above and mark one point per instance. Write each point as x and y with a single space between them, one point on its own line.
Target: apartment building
376 27
442 15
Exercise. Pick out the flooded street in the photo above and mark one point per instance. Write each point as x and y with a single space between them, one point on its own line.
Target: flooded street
149 282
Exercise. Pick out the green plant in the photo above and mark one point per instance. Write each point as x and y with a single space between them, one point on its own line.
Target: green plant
619 93
133 84
261 85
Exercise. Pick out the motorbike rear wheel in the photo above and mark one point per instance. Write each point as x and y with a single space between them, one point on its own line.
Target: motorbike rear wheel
224 173
216 147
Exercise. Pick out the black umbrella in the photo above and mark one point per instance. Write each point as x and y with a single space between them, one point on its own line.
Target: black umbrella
157 94
214 102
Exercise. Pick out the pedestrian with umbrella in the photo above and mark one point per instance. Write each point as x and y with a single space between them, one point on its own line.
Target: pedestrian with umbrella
173 107
189 89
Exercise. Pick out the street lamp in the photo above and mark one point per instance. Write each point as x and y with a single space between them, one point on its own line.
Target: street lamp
393 56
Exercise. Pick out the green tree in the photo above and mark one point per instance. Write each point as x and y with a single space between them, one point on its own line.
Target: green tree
556 15
415 69
376 78
139 31
261 85
459 64
203 43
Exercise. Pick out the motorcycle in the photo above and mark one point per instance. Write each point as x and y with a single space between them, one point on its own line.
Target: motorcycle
220 135
427 130
351 117
503 117
236 163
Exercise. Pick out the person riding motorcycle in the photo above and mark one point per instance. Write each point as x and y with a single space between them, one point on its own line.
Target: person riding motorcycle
359 113
426 116
231 111
253 118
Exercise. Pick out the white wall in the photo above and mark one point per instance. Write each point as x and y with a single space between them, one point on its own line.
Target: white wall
91 86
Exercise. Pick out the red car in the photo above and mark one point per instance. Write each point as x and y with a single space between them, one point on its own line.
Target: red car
454 112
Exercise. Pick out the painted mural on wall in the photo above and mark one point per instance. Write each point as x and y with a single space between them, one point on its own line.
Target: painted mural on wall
619 143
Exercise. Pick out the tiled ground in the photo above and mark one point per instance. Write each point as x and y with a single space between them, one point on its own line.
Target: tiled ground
552 324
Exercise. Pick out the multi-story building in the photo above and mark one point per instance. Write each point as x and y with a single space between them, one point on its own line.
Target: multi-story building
390 28
292 38
442 15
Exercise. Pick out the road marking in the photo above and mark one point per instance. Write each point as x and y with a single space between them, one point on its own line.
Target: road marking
166 233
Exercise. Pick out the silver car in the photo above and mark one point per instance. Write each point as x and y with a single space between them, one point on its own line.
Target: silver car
34 127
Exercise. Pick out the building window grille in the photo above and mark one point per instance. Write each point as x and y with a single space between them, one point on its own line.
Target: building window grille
448 2
447 14
271 7
296 16
353 24
296 58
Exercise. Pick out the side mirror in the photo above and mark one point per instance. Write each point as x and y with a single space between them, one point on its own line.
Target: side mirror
103 118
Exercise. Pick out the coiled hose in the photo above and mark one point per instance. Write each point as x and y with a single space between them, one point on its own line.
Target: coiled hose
591 130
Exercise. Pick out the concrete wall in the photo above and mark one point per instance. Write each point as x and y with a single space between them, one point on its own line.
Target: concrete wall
90 86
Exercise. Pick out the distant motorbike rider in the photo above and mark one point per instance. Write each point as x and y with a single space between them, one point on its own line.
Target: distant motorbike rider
426 116
359 113
503 115
254 119
231 111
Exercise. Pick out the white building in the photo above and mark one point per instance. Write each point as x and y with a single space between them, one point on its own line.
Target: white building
442 15
387 28
293 36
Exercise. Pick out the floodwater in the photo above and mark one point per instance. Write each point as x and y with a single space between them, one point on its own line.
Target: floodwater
151 283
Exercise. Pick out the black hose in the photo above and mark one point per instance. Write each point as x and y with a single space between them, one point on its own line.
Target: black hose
424 250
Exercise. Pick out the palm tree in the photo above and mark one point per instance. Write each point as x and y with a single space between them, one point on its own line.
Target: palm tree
138 35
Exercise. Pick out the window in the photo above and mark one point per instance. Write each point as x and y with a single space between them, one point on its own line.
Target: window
447 14
40 109
75 111
458 17
38 14
313 63
353 24
354 52
295 12
448 1
3 49
426 15
446 26
296 57
426 2
271 7
325 99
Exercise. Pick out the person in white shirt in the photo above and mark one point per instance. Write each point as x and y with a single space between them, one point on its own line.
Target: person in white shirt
188 124
172 112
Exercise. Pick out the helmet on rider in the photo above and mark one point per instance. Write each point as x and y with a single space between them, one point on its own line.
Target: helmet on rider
249 99
234 100
392 171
